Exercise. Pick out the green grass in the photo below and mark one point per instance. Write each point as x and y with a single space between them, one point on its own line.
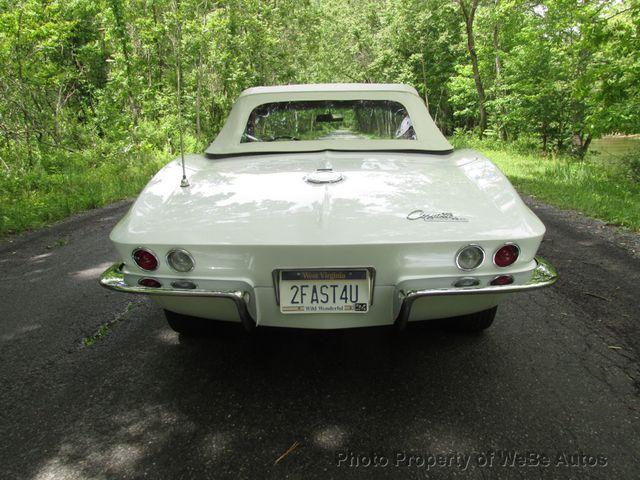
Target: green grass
61 185
608 193
578 186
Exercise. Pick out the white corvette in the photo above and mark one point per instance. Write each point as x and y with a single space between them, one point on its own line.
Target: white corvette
329 206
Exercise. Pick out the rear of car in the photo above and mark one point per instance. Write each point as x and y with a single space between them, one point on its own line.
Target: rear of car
329 207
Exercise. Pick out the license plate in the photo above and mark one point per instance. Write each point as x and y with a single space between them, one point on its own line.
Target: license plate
324 291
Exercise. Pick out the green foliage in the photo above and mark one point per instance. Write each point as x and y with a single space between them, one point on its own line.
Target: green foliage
608 193
631 161
64 182
88 104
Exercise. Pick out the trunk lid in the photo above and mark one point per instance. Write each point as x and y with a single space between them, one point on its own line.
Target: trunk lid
382 198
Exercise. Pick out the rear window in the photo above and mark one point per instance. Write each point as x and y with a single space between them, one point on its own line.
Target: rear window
329 120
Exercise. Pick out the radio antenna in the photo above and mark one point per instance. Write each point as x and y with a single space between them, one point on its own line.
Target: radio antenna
178 41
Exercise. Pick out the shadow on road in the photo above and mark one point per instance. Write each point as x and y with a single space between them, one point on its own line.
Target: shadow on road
230 402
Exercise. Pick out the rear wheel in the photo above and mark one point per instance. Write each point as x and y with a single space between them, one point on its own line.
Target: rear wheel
474 322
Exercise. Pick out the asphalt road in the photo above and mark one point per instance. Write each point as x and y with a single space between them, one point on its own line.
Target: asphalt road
555 378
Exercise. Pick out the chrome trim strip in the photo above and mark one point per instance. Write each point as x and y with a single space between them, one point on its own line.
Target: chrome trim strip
542 275
275 275
113 279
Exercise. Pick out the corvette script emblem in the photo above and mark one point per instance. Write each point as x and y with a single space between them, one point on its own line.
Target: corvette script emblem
435 217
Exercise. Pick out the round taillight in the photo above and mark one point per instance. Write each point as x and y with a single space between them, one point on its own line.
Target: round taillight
502 280
180 260
145 259
149 282
506 255
469 257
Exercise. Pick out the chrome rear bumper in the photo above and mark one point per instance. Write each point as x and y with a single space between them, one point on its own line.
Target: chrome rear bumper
542 275
113 279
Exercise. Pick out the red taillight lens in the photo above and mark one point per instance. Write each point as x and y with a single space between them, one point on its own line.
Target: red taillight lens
506 255
145 259
150 282
502 280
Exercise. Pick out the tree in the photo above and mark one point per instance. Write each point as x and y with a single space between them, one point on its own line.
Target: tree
468 10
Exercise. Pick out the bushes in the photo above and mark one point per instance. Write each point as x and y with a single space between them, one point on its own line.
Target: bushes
51 184
631 166
525 144
39 198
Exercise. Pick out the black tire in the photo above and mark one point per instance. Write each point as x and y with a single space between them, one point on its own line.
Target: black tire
474 322
186 325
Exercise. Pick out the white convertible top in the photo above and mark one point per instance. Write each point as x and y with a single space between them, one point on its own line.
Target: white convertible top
429 139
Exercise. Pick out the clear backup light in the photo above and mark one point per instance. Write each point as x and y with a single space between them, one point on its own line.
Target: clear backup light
180 260
469 257
506 255
145 259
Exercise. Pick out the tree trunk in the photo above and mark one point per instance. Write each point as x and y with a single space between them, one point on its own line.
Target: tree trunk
199 96
121 31
199 73
424 83
499 91
469 12
580 144
159 58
